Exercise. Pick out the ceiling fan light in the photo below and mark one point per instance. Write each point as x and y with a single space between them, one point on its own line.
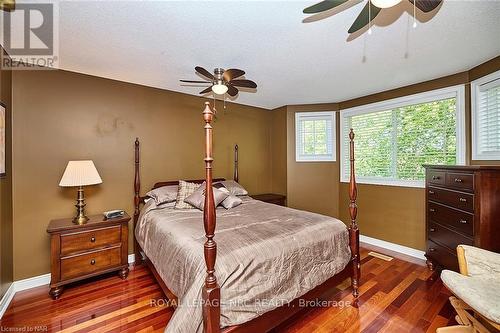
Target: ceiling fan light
385 3
219 89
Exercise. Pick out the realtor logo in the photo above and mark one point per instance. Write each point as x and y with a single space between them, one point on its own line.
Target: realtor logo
30 36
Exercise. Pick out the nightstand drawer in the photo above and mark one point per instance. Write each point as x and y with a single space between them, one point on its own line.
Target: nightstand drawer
87 263
87 240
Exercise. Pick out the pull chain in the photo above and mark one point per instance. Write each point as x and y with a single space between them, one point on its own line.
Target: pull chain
369 17
414 13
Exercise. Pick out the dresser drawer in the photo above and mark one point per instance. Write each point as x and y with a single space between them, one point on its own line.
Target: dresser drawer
461 221
436 177
444 236
87 263
87 240
442 255
454 199
460 181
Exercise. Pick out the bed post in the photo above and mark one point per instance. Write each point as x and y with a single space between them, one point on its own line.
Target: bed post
235 176
353 228
211 290
137 201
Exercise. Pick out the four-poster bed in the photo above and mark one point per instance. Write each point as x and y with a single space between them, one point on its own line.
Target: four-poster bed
299 235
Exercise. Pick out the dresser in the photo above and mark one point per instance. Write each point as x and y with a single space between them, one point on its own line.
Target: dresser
277 199
82 251
462 207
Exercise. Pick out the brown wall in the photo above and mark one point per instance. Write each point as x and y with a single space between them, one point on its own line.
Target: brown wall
278 149
312 186
63 116
6 259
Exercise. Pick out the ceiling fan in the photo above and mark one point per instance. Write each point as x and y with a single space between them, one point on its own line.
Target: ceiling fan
7 5
371 9
222 81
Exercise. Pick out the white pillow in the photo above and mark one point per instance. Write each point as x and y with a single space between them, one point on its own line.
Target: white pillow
233 187
163 194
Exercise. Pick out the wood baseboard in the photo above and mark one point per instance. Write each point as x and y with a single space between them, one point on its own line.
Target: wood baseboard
32 282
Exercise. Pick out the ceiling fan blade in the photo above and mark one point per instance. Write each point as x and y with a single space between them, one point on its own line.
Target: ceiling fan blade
323 6
189 81
204 72
243 83
232 91
8 5
426 5
232 73
204 91
364 17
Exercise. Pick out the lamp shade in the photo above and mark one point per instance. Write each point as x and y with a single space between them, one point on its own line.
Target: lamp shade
80 173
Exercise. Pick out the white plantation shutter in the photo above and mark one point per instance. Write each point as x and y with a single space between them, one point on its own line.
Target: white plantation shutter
394 139
315 136
486 118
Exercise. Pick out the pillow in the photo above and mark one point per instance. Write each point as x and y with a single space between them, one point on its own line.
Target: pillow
197 199
185 190
233 187
163 194
231 201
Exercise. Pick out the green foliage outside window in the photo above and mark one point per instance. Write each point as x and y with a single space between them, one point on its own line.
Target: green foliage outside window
394 144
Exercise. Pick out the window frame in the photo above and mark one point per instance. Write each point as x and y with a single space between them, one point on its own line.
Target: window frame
475 91
457 91
330 114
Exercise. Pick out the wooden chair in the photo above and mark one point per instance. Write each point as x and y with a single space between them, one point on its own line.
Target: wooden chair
476 290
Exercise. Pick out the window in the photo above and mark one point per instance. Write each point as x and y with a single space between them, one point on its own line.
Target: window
486 117
315 136
394 138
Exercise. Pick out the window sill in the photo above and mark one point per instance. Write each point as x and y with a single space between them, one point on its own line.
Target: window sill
400 183
312 161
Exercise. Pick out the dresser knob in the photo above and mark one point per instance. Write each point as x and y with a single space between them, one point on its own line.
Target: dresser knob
432 229
462 200
92 262
431 192
458 180
92 239
435 177
432 210
463 221
431 249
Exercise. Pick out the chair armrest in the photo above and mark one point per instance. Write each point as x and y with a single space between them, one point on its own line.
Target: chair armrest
474 261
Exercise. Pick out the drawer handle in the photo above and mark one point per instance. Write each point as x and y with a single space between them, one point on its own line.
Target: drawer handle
463 221
92 262
92 239
458 180
431 192
462 199
435 177
431 249
432 229
432 210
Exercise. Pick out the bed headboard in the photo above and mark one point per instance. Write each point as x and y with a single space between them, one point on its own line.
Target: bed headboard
138 199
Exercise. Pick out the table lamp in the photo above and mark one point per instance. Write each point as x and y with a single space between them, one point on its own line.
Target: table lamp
80 173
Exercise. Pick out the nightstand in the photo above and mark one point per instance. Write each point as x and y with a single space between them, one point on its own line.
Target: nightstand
277 199
82 251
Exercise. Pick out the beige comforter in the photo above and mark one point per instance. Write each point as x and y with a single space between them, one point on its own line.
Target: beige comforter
267 256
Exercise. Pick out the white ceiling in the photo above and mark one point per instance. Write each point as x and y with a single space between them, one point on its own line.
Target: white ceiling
157 43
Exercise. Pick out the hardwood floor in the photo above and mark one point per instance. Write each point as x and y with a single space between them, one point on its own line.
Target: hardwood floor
396 296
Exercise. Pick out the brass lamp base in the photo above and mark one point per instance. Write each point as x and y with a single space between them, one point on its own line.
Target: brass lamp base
80 217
